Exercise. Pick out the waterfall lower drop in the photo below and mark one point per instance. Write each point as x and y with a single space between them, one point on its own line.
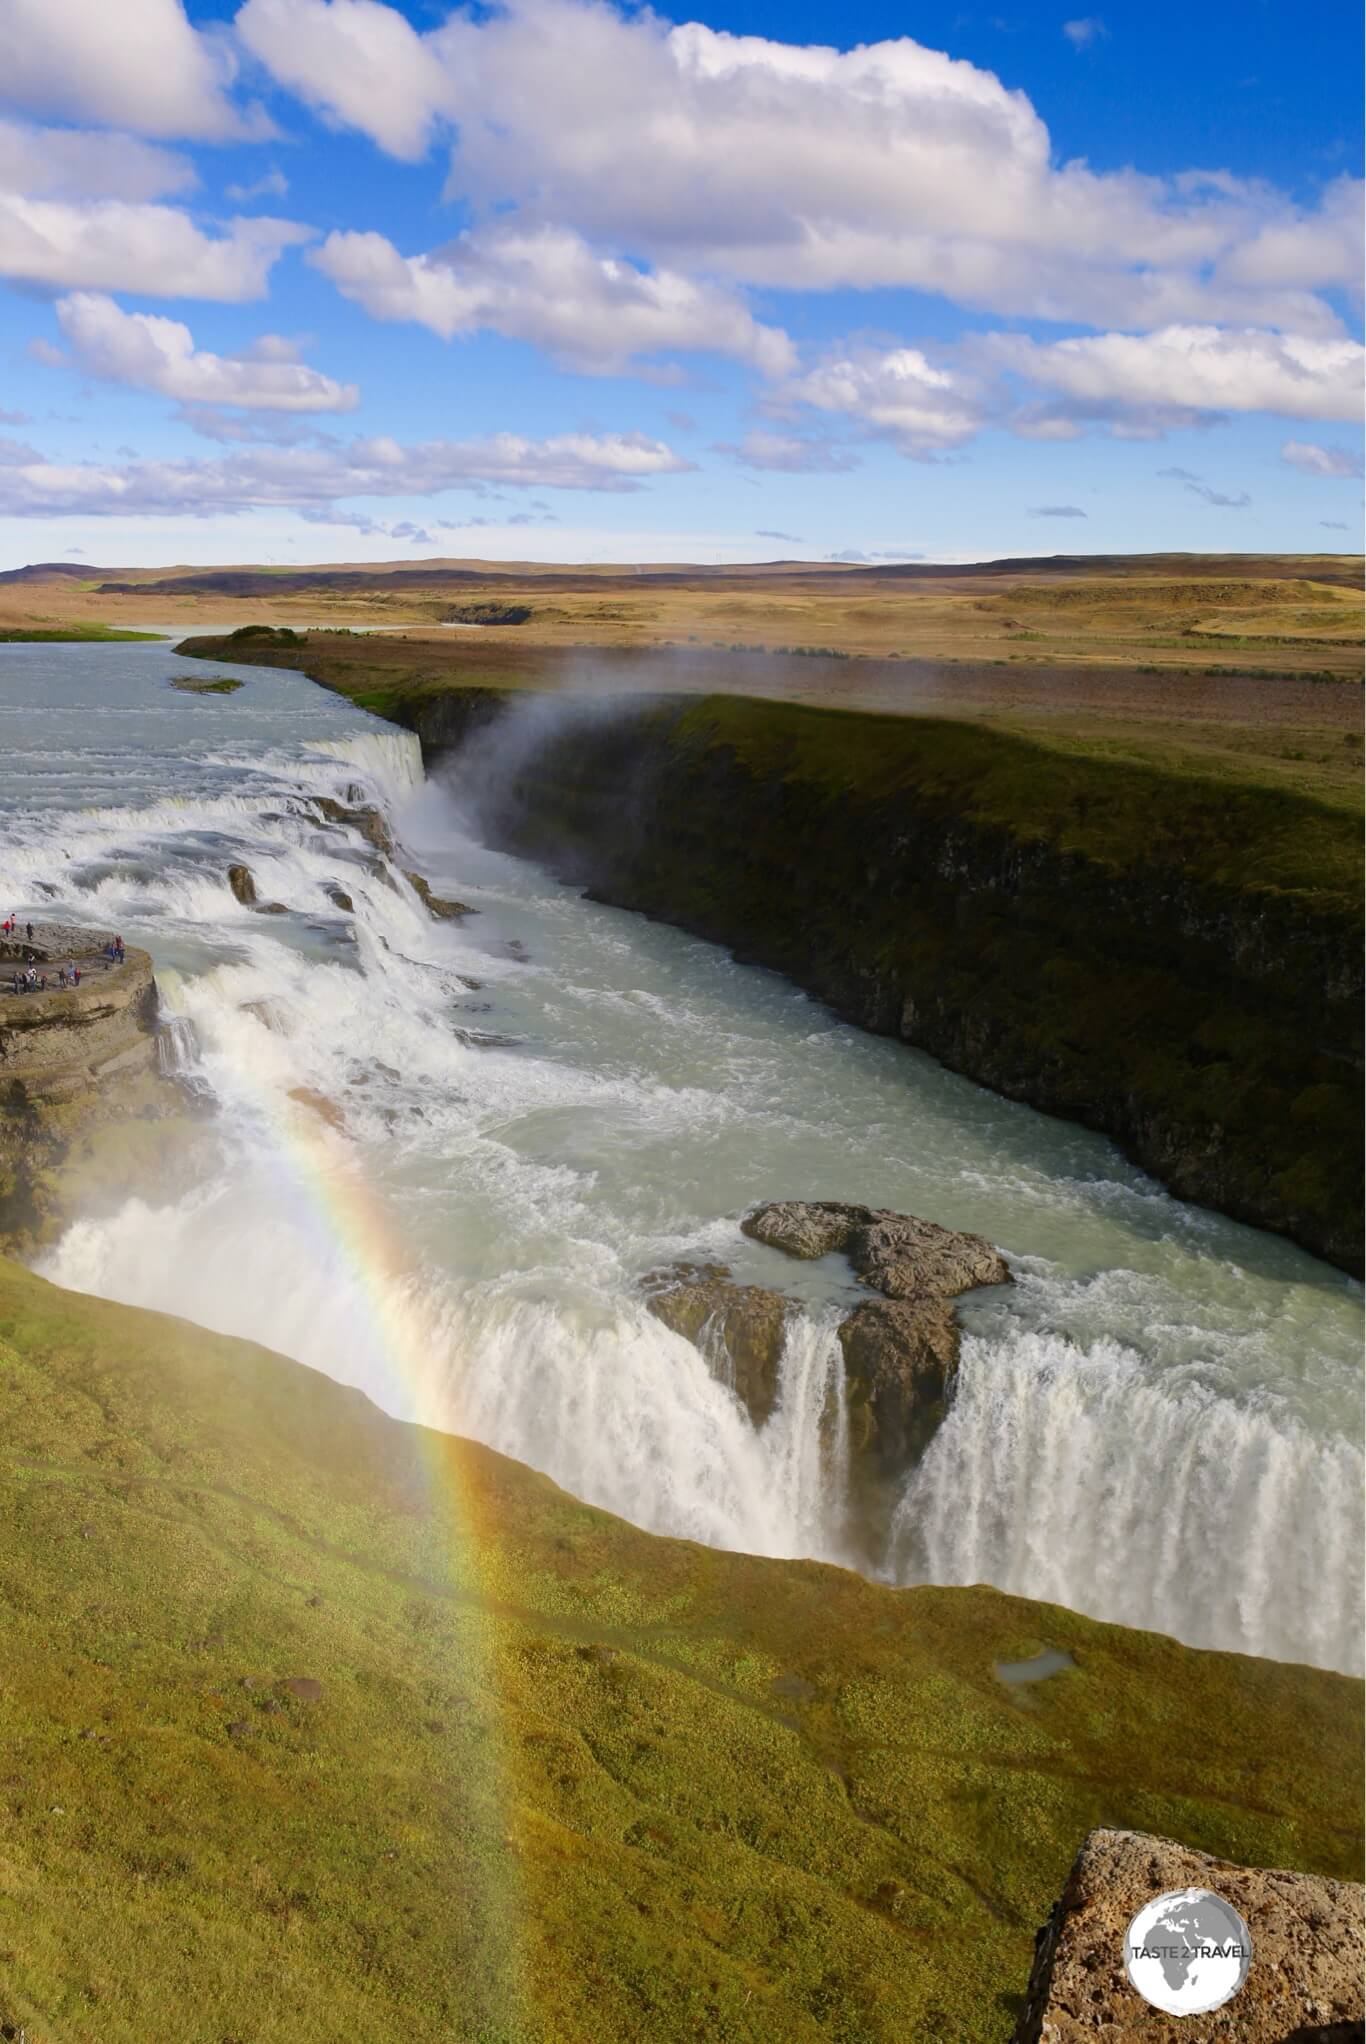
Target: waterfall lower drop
1082 1479
448 1153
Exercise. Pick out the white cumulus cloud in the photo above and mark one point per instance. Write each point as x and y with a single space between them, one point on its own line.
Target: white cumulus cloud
114 245
923 408
546 286
800 166
147 352
325 473
357 61
1203 367
132 64
67 163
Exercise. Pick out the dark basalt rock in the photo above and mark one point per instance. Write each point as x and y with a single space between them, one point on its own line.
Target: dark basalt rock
243 885
366 819
435 905
739 1329
899 1362
897 1254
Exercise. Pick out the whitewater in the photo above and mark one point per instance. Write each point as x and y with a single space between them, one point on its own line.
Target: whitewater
527 1111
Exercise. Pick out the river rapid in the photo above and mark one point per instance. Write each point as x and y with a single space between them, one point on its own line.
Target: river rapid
1159 1423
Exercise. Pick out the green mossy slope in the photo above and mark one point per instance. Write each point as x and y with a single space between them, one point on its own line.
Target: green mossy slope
561 1781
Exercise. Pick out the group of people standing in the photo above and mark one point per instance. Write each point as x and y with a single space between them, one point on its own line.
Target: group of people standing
29 978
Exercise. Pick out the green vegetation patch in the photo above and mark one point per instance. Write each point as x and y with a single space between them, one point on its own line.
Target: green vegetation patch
266 635
193 685
67 635
322 1726
1117 813
489 614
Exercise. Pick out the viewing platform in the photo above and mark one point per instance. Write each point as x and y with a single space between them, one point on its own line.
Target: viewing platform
60 1041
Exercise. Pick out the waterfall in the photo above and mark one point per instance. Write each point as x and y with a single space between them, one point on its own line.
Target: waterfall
447 1153
1084 1479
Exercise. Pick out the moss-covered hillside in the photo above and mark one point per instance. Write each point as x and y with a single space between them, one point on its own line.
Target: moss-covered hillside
317 1726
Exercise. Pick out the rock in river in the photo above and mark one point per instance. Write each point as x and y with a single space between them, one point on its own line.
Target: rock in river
366 819
901 1351
243 885
435 904
897 1254
899 1361
739 1329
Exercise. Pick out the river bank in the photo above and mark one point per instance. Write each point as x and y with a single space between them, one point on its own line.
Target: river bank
1169 958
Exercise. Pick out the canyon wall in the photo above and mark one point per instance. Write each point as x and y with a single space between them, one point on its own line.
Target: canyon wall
1123 974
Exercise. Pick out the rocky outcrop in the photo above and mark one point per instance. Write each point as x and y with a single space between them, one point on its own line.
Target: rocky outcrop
363 817
900 1351
897 1254
339 898
82 1093
243 884
740 1329
1304 1985
899 1364
442 910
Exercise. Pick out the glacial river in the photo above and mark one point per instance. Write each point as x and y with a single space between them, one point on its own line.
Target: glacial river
1159 1423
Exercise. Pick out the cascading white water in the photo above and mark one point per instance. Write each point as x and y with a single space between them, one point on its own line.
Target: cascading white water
448 1153
1081 1478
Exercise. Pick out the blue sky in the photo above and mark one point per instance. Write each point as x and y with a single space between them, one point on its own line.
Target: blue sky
300 280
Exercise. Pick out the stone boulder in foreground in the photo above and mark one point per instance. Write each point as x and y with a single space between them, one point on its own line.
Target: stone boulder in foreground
1304 1985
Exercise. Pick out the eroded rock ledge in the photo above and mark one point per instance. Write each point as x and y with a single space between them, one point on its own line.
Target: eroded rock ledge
900 1351
1304 1985
84 1102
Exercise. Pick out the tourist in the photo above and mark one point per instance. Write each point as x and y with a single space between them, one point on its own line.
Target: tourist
30 933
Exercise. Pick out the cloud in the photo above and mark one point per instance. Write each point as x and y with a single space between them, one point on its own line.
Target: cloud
1199 488
358 62
546 286
1321 461
1055 511
1332 524
146 352
322 476
786 453
131 64
273 185
1202 367
857 557
1086 32
66 163
788 538
922 408
110 244
801 166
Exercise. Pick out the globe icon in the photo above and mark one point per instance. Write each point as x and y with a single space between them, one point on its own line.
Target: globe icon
1187 1952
